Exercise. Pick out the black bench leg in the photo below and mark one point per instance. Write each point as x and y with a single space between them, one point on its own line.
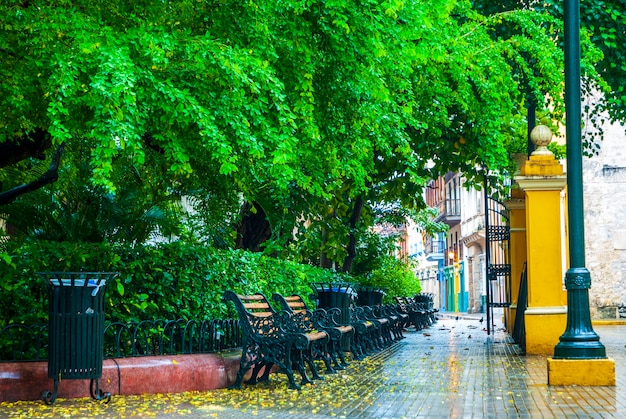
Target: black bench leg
335 355
328 362
292 381
309 360
356 348
342 358
255 372
328 356
298 363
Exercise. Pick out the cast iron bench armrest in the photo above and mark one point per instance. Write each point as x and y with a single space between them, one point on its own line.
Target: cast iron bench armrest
320 320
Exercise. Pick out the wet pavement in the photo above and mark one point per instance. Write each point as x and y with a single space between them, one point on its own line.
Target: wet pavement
452 369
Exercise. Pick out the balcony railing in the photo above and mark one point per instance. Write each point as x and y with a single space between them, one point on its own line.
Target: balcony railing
449 211
435 249
453 207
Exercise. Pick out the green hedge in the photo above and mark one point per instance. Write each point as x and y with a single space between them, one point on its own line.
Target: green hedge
395 276
169 281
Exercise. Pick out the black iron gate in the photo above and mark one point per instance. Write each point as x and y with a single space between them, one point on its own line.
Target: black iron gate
497 257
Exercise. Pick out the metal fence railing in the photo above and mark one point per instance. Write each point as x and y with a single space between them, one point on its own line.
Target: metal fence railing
19 342
22 342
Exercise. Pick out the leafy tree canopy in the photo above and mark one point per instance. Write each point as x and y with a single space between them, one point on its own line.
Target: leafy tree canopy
300 91
310 105
603 23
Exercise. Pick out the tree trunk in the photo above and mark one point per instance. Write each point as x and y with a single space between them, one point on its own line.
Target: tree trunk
325 262
351 247
254 229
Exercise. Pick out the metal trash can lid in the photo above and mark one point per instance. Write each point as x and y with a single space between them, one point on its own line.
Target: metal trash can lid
335 287
95 280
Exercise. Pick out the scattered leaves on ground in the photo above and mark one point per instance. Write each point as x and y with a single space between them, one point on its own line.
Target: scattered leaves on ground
342 391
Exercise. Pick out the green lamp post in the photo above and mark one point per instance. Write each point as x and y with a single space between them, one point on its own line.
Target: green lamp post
579 341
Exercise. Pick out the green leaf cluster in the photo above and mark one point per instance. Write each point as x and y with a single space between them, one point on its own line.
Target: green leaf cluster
395 276
325 112
377 265
307 95
167 281
604 24
603 33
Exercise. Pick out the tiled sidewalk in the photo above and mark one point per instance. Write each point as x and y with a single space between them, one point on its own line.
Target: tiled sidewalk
450 370
458 371
454 370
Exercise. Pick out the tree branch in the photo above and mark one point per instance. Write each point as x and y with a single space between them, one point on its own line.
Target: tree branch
34 144
50 176
151 143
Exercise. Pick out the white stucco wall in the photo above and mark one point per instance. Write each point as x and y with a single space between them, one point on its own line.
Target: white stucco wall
604 182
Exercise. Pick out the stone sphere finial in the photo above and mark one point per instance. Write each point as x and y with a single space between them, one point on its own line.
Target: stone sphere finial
541 136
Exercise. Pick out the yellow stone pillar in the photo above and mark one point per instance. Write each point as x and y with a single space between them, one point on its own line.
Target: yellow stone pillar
542 181
516 206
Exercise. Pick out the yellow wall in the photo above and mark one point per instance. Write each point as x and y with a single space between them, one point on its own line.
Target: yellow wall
517 222
545 318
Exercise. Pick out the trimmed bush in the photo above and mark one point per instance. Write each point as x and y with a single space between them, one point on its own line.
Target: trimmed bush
174 280
394 275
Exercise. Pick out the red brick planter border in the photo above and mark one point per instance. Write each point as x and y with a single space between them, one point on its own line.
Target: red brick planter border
138 375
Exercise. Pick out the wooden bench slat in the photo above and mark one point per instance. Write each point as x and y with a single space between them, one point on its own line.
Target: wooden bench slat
316 336
255 306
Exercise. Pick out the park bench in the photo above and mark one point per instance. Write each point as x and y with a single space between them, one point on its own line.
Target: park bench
398 320
427 303
311 323
403 319
418 316
368 336
339 335
373 314
271 338
369 330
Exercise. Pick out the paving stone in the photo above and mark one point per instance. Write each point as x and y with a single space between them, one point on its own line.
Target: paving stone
454 370
451 370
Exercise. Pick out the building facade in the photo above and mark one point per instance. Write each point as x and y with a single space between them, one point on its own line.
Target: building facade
604 183
456 258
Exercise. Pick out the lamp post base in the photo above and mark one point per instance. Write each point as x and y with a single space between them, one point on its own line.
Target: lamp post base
579 341
580 349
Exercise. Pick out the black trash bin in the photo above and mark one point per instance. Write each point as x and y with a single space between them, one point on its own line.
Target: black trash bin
335 295
369 296
76 328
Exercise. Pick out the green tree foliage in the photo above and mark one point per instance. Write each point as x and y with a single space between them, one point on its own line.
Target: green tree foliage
300 93
603 27
605 22
321 110
377 265
396 277
72 210
146 206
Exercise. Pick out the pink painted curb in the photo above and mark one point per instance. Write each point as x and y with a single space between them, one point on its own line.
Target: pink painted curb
138 375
